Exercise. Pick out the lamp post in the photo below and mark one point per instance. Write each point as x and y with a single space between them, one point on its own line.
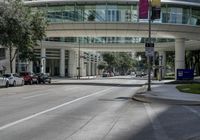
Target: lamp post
160 67
149 57
149 9
79 59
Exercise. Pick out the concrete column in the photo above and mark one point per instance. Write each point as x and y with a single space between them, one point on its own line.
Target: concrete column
82 65
72 64
93 68
62 62
162 63
89 67
179 54
43 60
97 70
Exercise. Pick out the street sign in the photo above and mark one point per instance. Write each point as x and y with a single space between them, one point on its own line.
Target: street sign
185 74
149 49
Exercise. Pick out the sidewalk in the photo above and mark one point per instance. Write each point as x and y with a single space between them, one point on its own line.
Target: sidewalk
167 94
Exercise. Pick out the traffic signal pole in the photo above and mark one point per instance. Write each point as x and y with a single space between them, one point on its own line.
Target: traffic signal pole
149 57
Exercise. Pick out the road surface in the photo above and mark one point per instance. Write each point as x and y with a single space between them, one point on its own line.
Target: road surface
91 112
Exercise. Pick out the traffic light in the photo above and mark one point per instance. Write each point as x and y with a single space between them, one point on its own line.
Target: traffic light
155 3
155 13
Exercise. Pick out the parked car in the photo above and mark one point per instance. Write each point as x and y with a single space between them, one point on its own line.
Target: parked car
44 78
4 82
105 74
14 79
27 77
35 79
139 74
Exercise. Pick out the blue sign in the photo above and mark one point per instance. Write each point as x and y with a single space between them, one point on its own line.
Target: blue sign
185 74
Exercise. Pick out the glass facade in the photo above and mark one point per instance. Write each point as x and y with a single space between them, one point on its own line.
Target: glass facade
92 12
170 13
107 40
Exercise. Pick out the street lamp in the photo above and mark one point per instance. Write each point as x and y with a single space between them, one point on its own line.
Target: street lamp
149 57
154 13
79 59
160 67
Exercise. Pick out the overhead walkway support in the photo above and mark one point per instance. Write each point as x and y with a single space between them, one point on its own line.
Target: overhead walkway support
179 54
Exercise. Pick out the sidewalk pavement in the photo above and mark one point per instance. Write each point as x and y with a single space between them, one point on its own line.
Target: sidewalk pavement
166 93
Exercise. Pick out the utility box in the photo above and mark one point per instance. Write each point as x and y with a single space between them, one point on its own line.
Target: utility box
185 74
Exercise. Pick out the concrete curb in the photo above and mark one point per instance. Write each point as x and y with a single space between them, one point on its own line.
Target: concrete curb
141 95
97 84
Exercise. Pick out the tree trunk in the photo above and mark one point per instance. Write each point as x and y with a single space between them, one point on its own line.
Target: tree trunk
12 57
10 50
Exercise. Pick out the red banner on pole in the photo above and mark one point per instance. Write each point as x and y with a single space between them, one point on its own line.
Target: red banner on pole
143 9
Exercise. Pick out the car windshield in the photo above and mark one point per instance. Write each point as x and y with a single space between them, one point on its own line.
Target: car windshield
6 75
24 74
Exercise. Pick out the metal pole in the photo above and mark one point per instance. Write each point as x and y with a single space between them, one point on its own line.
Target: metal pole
79 60
160 68
18 67
149 57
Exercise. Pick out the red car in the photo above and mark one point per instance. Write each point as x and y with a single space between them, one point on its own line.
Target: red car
27 77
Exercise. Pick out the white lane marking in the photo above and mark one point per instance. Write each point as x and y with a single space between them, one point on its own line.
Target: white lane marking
51 109
42 94
192 110
158 129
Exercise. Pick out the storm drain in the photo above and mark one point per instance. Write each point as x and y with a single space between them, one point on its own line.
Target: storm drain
117 99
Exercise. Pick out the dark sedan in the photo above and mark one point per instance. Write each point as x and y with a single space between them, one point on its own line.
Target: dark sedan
43 78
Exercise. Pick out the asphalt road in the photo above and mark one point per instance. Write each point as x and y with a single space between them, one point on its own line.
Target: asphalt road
89 112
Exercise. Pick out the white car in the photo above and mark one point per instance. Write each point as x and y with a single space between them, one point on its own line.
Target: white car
14 79
4 82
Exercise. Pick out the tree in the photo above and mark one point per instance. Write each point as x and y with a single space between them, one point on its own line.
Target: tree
110 59
121 62
193 60
102 65
125 62
170 57
20 29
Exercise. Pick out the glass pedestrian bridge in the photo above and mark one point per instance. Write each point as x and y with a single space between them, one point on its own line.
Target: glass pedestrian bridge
185 12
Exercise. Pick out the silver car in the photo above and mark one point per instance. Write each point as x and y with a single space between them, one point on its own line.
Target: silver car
14 79
4 82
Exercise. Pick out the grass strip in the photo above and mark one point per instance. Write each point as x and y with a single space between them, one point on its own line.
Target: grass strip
189 88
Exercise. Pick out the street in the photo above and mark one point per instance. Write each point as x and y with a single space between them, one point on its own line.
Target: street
92 112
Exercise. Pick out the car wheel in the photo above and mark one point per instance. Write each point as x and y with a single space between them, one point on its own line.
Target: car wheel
30 82
22 83
14 83
7 84
49 81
